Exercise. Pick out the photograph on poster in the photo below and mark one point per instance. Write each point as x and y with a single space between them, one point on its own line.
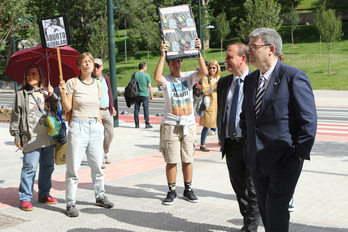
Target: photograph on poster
54 32
178 30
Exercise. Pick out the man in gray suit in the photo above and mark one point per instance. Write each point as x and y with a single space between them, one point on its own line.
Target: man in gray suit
278 122
230 98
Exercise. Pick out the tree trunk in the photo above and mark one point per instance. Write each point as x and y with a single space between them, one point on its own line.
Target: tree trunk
330 59
221 48
148 55
292 37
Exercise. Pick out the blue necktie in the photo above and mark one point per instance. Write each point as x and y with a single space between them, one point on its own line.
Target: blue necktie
233 112
259 95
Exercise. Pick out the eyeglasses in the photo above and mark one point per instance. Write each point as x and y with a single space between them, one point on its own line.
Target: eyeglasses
212 68
96 66
254 47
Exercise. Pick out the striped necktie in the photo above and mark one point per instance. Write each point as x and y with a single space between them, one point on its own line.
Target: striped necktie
259 95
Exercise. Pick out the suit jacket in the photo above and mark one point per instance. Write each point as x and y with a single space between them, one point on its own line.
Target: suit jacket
223 89
287 122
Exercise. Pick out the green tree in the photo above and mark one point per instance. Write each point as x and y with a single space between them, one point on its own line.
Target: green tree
14 23
293 19
287 5
98 45
259 13
145 31
329 27
222 27
83 18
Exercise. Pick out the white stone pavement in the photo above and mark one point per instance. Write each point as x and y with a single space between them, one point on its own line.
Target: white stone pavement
135 182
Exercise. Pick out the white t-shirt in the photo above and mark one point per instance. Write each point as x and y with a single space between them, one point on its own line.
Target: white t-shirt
85 97
178 98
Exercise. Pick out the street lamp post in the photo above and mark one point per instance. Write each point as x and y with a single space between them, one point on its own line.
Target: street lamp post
125 40
112 57
200 22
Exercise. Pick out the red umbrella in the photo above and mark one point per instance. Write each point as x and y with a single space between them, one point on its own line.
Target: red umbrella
47 59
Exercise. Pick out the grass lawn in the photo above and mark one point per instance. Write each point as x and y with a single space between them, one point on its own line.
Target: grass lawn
305 55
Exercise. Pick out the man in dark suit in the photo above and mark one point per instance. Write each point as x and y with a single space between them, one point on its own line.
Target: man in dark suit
230 98
278 122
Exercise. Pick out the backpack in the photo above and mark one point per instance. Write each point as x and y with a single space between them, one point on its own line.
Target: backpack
131 91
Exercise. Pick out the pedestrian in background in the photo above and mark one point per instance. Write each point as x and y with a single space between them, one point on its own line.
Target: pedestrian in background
145 95
28 126
209 89
85 134
107 110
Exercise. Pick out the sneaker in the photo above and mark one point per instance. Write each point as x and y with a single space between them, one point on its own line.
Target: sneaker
71 211
107 160
136 125
171 195
148 126
48 200
291 208
190 196
26 206
103 166
104 202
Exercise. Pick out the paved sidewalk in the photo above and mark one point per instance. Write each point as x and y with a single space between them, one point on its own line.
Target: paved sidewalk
136 183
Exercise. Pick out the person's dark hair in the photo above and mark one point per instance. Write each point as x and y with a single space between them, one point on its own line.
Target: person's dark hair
172 60
25 84
142 65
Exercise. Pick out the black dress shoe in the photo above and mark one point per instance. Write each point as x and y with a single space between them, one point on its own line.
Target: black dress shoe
204 149
148 126
136 125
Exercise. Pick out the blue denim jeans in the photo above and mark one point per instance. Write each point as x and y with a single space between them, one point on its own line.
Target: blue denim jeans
85 136
137 103
204 134
45 157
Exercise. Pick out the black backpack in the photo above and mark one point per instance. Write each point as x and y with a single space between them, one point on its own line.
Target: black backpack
131 91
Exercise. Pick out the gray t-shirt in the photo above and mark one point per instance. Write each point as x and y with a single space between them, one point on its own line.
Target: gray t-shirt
86 98
178 98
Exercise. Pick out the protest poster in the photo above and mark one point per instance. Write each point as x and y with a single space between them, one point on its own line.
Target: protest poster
178 30
54 31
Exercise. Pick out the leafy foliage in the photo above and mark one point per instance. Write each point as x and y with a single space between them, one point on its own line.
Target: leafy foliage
83 15
99 43
293 19
329 28
222 28
14 22
259 13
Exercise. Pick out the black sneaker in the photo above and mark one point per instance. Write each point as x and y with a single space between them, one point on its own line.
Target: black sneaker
104 202
71 211
148 126
171 195
190 196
